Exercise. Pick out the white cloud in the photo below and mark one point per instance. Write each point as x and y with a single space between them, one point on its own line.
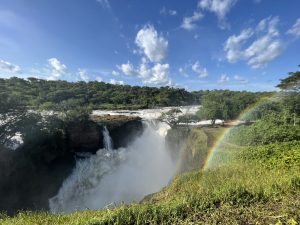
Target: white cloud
201 72
83 75
154 49
189 23
115 73
153 45
9 67
263 51
159 75
57 69
104 3
156 75
233 45
169 12
127 69
266 47
223 79
241 79
118 82
219 7
295 29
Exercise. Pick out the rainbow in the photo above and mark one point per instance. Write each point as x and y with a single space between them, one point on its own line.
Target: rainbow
244 114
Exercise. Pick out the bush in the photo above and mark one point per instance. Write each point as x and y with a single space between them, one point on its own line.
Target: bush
272 128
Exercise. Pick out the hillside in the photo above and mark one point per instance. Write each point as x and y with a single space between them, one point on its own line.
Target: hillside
253 185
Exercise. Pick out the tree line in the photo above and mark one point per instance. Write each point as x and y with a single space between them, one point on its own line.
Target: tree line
62 95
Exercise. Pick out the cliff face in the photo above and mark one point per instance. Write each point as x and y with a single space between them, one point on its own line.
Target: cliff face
34 173
84 137
176 141
188 145
122 129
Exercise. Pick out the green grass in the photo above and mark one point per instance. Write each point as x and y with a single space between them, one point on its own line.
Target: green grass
256 185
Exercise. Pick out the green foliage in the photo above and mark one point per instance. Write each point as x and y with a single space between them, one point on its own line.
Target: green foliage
284 155
170 117
273 127
188 118
62 95
225 105
292 82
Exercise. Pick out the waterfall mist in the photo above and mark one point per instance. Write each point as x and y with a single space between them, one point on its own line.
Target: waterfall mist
114 176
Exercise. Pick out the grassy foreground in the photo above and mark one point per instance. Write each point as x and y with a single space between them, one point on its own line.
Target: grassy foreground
256 185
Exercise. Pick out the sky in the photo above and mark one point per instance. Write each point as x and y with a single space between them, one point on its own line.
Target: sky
192 44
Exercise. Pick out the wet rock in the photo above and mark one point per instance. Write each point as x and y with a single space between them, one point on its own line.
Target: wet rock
84 137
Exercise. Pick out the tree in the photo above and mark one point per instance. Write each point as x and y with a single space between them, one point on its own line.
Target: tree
291 83
12 113
291 87
170 117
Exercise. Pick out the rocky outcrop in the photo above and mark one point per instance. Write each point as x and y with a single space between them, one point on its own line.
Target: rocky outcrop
188 145
176 140
84 137
122 129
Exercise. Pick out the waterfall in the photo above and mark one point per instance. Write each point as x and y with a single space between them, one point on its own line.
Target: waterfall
108 144
115 176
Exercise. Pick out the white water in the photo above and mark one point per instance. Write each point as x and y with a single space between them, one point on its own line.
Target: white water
148 114
107 139
112 177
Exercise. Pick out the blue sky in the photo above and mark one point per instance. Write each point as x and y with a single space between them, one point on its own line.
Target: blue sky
194 44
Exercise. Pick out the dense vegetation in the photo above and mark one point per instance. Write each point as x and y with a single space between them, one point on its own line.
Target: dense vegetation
62 95
253 178
226 105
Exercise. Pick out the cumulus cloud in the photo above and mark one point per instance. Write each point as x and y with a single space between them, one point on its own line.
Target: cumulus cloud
118 82
295 29
57 69
83 75
201 72
154 50
158 74
127 69
264 48
241 79
153 45
223 79
9 67
218 7
189 23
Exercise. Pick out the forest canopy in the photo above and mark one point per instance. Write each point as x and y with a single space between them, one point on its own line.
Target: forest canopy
62 95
